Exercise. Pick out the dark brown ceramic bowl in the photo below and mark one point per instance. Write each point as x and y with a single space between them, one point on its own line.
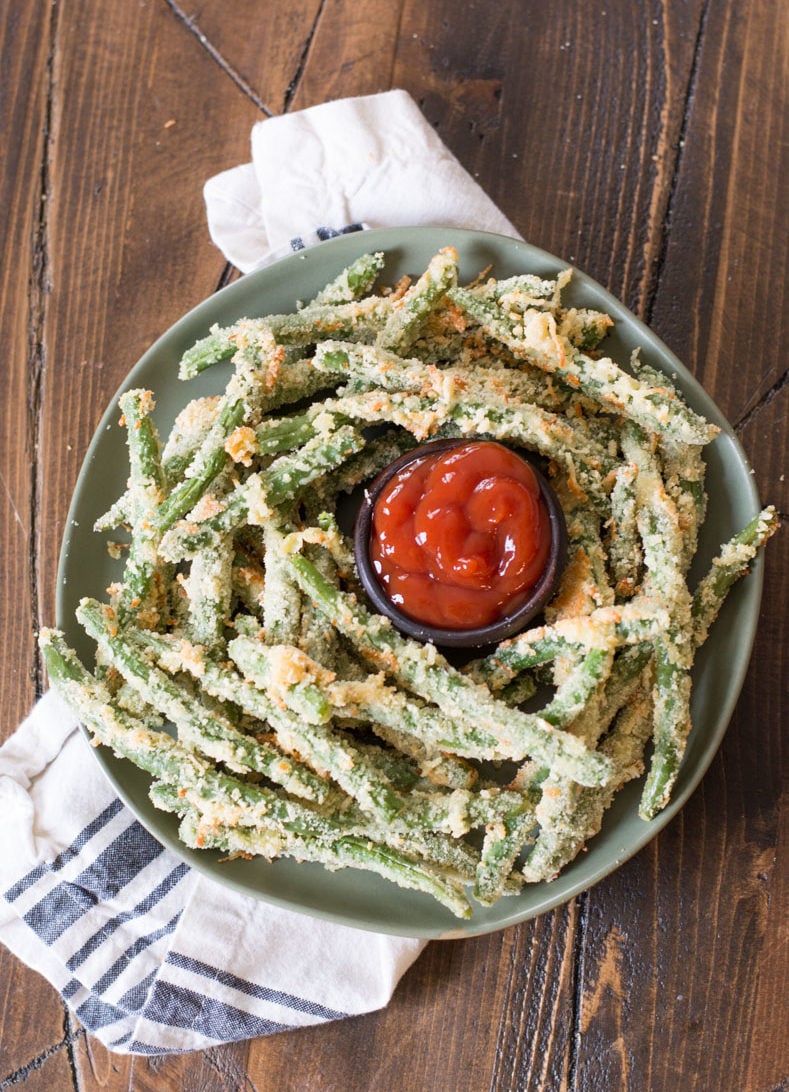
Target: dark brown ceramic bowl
491 634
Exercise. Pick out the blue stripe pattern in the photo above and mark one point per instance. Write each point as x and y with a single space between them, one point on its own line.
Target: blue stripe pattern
132 851
139 945
67 854
134 999
321 234
109 927
95 1013
179 1007
262 993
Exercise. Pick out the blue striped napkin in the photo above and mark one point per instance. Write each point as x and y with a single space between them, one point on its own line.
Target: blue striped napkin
152 957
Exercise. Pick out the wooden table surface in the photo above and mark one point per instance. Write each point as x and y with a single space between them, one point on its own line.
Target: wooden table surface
644 142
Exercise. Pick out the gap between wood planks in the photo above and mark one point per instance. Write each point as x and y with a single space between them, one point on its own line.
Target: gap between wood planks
294 83
70 1035
764 401
652 292
579 960
229 272
25 1071
37 359
192 26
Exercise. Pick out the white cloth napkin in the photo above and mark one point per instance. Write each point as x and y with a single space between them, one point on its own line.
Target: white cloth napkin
152 957
372 161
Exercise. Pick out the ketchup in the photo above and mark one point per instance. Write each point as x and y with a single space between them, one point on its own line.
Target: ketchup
460 537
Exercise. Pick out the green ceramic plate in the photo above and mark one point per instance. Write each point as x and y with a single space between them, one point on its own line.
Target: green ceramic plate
356 898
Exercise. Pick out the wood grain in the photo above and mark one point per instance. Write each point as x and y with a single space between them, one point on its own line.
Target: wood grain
52 1071
646 143
722 292
352 51
24 1041
24 121
116 161
702 913
23 124
578 150
261 47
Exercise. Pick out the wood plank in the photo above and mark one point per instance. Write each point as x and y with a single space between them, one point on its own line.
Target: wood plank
141 256
42 1074
687 931
24 89
728 242
261 45
765 437
766 1067
575 147
366 36
23 1040
23 121
536 1021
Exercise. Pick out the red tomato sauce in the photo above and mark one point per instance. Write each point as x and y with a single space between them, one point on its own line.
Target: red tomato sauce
460 537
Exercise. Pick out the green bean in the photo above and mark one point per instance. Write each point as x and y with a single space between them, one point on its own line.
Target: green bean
282 599
377 453
119 512
352 283
215 347
213 734
250 393
388 707
624 546
426 672
158 753
436 766
659 529
209 589
366 367
605 628
286 673
523 286
569 815
248 581
500 849
583 327
254 500
143 587
342 852
316 636
324 749
529 426
729 566
297 329
257 650
409 311
534 337
189 431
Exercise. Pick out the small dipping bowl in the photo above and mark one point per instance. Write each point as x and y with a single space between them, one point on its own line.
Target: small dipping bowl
506 626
